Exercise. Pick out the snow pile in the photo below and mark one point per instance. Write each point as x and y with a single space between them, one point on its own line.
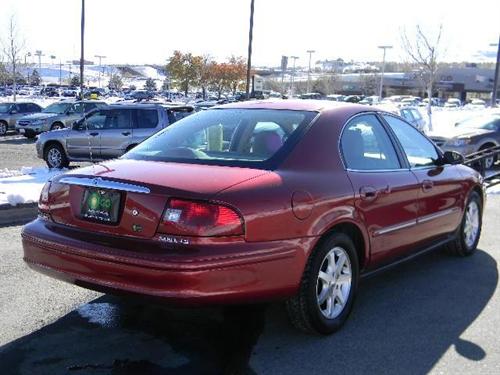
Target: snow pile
25 185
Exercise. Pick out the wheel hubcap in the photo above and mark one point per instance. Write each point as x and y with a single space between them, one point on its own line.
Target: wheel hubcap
471 227
3 129
54 157
488 162
334 283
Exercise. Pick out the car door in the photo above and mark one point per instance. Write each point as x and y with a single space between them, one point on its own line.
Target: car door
385 190
115 136
14 115
83 140
146 123
440 193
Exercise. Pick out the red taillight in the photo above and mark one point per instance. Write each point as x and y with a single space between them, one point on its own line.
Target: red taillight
192 218
43 201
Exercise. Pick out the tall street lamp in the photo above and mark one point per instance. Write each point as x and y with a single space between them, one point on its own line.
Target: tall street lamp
495 81
100 57
250 39
292 77
82 49
310 52
39 54
383 71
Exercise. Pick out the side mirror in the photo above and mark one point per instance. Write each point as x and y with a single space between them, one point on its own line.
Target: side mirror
76 125
453 157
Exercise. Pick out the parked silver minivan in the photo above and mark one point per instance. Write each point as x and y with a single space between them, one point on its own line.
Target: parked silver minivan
105 133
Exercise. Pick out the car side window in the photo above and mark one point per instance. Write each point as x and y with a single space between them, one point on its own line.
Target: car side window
366 145
23 108
419 151
87 107
34 108
146 118
95 121
117 119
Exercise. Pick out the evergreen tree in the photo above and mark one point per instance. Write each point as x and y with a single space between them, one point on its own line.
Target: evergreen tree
150 85
115 82
35 79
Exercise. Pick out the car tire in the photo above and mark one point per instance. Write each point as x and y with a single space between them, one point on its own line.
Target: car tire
488 162
57 126
3 128
55 157
309 310
469 231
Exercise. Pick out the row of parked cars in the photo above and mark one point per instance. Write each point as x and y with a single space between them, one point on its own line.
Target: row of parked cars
88 130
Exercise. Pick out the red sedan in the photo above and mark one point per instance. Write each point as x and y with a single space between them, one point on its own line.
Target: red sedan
258 201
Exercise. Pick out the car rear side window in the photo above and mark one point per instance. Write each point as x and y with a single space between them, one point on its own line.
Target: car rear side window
366 145
146 118
236 137
419 151
117 119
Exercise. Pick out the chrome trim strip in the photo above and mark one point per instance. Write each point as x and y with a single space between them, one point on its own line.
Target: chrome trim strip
98 182
393 228
436 215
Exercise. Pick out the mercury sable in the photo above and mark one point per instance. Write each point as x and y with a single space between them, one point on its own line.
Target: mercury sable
259 201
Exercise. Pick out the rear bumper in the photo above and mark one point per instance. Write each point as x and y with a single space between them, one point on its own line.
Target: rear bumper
265 271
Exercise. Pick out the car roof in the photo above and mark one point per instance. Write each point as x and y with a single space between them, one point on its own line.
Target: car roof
134 105
293 104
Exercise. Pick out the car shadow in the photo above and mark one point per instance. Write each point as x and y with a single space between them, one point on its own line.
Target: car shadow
403 322
17 141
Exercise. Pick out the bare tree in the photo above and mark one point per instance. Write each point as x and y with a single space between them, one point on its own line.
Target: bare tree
425 50
13 48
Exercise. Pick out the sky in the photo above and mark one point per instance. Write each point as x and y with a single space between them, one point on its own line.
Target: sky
148 31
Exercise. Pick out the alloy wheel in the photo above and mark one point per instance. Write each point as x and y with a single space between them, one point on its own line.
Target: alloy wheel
54 157
3 128
334 283
471 226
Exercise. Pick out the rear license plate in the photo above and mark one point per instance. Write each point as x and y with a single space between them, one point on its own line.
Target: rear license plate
100 205
21 131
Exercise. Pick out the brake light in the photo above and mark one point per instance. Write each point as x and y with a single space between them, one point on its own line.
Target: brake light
43 201
194 218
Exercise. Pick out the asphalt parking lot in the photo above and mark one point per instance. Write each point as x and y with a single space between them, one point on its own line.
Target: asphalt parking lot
437 314
17 151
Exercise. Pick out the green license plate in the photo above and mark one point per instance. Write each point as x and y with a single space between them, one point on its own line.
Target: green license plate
100 205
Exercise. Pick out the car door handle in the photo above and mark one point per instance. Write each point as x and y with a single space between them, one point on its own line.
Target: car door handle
93 134
427 185
367 193
126 133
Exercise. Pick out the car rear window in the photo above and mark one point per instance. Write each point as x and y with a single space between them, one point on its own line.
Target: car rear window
240 137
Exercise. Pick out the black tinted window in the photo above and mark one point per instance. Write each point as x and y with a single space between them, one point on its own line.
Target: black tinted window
23 107
419 151
34 108
366 145
146 118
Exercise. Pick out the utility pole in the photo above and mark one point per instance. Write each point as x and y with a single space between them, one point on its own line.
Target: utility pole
310 52
250 39
383 71
495 81
60 72
100 57
292 77
82 50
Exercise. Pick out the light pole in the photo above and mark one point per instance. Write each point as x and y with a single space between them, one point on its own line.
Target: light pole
383 71
100 57
82 54
310 52
25 56
250 39
292 76
495 81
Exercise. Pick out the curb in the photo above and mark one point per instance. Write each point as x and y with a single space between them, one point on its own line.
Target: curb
13 215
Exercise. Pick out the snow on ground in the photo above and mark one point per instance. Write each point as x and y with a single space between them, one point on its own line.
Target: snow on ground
24 185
